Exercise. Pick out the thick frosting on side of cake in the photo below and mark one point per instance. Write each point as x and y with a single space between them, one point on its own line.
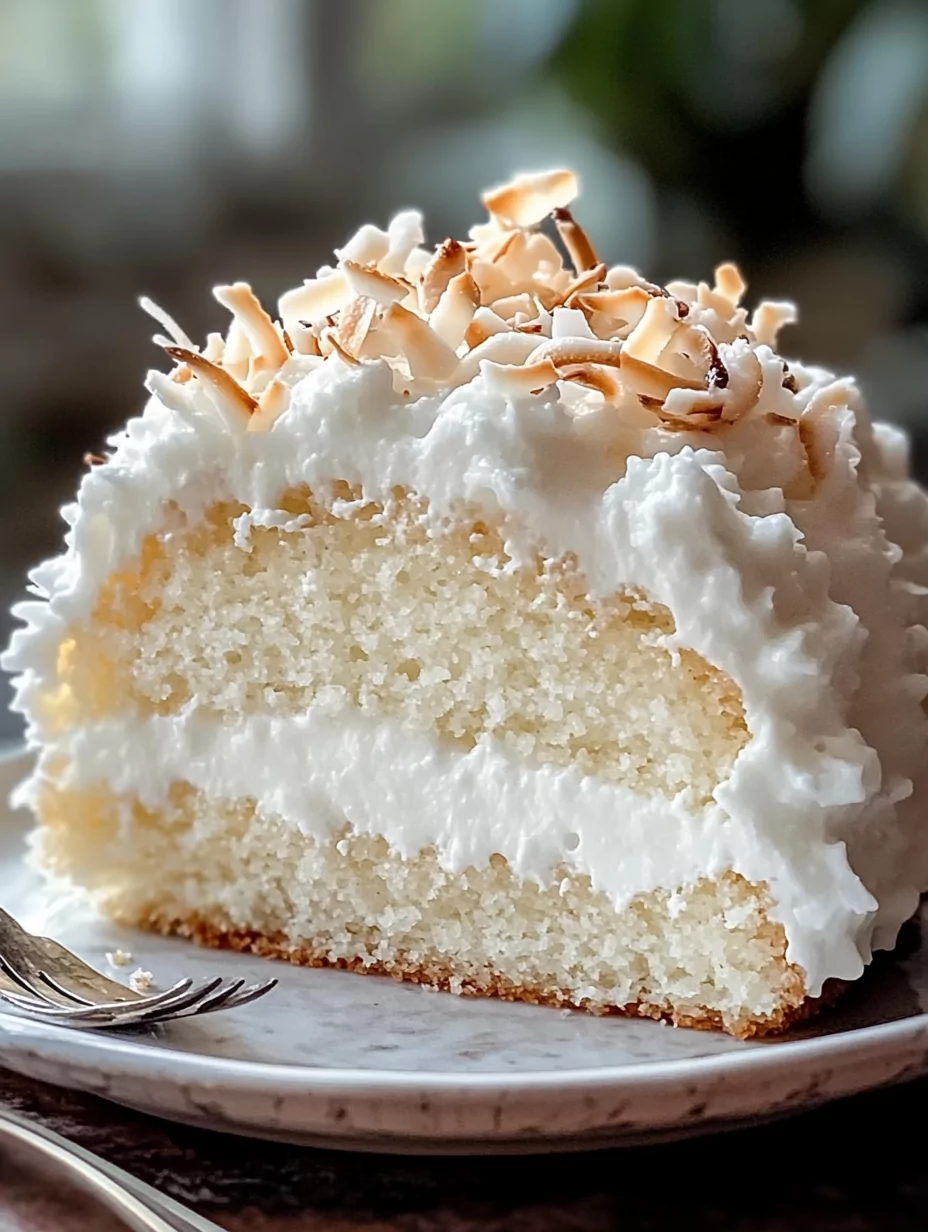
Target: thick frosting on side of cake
672 450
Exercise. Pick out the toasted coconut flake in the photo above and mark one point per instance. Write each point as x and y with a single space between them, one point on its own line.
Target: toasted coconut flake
684 291
93 459
166 321
647 379
613 314
354 324
594 376
509 305
518 378
530 198
215 347
423 350
234 403
305 340
813 448
416 264
405 235
708 297
271 405
769 318
621 277
626 305
724 405
266 344
575 240
316 299
367 246
368 282
563 351
652 333
729 282
330 345
176 397
454 312
449 261
485 323
493 243
507 347
236 355
588 280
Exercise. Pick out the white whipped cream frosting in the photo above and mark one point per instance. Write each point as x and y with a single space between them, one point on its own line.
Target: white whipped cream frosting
806 604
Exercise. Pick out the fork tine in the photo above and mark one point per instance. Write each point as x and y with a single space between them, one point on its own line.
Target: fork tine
176 1006
247 995
125 1009
61 990
218 999
49 1010
16 976
113 1009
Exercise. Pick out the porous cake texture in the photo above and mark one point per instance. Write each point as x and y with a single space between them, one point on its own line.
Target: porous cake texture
499 621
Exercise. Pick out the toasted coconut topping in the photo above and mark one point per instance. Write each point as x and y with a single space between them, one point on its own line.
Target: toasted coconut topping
424 351
530 198
502 306
454 312
728 282
166 321
769 318
369 282
583 282
578 351
332 346
266 344
575 240
235 404
316 299
215 348
605 381
484 324
518 378
271 405
354 324
449 261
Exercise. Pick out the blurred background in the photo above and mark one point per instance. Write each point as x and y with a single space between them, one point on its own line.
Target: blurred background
161 146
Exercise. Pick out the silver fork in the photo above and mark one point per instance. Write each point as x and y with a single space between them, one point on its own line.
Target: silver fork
40 977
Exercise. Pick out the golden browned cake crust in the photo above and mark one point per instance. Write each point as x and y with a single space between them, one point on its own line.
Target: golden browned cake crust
796 1007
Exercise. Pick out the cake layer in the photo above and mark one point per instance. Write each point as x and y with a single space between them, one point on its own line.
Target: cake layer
325 768
227 873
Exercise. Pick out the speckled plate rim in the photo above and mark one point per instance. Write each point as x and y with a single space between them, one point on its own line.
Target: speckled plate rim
452 1113
433 1111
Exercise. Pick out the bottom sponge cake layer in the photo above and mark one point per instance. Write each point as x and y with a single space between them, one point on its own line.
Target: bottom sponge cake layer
222 872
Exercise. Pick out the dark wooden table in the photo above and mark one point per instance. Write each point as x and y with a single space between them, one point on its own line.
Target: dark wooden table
857 1165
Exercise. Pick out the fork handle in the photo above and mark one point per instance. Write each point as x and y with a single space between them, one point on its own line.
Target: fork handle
140 1206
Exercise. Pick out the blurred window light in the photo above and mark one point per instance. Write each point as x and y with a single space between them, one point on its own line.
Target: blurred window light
94 83
445 46
867 105
737 79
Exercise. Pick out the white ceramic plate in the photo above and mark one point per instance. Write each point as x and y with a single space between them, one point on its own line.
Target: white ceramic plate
358 1062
